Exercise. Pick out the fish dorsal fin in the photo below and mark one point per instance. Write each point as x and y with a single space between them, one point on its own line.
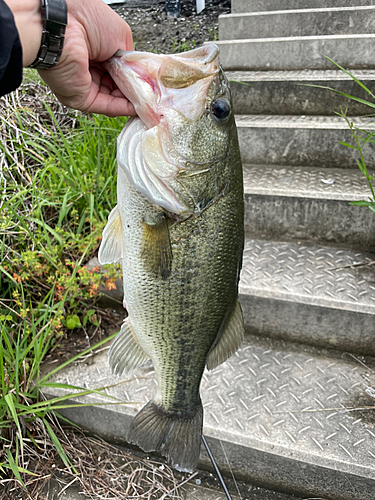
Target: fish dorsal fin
110 250
157 251
230 340
125 352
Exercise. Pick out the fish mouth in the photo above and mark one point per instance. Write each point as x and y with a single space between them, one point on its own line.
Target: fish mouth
156 84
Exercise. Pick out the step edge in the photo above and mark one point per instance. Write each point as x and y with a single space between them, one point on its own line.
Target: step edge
357 8
253 291
346 195
355 36
300 75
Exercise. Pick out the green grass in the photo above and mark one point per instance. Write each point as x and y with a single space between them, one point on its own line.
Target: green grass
58 185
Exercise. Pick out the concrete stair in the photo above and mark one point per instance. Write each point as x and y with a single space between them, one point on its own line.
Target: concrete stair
298 52
298 23
308 204
292 410
309 263
300 140
289 93
274 415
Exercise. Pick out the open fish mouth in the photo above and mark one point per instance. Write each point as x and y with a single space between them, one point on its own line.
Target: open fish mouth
156 84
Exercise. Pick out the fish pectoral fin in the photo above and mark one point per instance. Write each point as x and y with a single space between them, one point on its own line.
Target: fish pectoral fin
157 251
110 250
125 352
230 340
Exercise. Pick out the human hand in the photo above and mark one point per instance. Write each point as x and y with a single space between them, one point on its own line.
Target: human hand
94 33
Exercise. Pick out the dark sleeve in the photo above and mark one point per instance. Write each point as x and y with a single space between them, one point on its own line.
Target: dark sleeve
10 52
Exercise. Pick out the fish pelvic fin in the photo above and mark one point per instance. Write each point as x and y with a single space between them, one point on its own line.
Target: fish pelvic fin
157 251
230 340
125 353
110 250
177 437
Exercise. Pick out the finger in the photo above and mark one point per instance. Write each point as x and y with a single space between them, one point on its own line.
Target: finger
117 93
111 106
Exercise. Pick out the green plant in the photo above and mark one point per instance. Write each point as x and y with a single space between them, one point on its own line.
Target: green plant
360 136
58 185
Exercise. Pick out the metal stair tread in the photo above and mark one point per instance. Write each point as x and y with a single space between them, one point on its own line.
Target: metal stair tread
314 275
297 11
302 122
298 75
287 404
305 182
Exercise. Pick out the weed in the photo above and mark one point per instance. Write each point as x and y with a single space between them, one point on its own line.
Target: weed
57 184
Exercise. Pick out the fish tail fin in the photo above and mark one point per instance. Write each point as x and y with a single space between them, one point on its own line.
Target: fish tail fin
177 437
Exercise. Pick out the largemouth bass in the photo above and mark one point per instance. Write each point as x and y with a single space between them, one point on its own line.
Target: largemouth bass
178 231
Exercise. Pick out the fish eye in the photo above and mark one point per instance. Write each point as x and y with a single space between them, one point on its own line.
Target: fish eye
220 108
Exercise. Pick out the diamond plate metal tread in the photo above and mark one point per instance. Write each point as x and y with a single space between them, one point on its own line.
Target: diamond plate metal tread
306 182
310 275
308 204
302 122
283 404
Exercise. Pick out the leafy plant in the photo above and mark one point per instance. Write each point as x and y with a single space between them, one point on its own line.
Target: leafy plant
58 185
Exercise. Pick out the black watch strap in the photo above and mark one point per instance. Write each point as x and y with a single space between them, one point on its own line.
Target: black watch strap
55 19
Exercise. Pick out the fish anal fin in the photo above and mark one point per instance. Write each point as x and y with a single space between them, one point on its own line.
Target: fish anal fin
157 251
230 340
125 353
176 436
110 250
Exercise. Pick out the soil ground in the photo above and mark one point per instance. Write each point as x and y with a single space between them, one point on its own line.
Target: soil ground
154 31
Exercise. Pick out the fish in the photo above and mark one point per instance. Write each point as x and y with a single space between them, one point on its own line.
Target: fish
178 230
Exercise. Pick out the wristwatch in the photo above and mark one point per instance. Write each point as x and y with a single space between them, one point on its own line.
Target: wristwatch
55 19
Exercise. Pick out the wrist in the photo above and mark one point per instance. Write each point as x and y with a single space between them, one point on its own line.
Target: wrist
28 19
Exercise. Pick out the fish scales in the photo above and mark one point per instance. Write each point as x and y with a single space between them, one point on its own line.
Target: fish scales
181 251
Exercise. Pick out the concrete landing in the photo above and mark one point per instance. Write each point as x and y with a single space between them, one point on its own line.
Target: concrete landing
278 412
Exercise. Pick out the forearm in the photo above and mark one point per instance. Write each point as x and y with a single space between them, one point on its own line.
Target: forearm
28 19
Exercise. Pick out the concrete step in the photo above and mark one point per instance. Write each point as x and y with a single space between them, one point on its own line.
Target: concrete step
308 204
266 5
275 415
310 294
301 141
298 52
301 22
284 93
